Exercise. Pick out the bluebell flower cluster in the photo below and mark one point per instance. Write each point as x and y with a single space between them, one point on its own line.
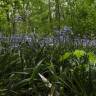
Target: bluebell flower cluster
61 36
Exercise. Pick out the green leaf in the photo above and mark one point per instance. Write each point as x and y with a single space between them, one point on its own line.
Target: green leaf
92 57
22 73
36 70
79 53
65 56
23 82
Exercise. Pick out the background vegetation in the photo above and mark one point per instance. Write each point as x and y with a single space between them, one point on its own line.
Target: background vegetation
47 71
43 16
58 70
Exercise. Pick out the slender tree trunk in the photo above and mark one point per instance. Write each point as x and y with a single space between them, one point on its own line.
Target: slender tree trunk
8 21
13 20
50 18
57 13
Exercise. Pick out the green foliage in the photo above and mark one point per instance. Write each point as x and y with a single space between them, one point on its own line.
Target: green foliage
92 57
50 70
79 53
46 71
44 16
65 56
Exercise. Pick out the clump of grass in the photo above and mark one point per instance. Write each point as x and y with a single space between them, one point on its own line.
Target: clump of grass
47 71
